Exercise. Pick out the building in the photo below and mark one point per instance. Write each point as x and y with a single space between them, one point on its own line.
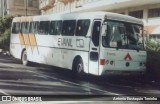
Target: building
147 10
20 7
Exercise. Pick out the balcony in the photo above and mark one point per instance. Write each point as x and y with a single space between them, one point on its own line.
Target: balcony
46 4
67 1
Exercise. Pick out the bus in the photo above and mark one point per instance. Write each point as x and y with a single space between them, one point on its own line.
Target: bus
98 43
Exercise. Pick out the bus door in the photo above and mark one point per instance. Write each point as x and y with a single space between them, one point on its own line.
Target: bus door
94 47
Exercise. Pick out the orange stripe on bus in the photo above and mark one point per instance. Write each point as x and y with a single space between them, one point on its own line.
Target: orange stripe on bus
33 41
26 38
21 39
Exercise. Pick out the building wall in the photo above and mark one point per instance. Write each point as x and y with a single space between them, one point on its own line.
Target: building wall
23 7
127 7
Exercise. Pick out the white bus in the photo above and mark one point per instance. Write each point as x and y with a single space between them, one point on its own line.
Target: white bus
97 43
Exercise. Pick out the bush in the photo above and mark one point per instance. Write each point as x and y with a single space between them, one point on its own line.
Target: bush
5 39
152 46
5 30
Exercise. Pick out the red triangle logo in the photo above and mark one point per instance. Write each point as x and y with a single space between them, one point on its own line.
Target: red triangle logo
128 57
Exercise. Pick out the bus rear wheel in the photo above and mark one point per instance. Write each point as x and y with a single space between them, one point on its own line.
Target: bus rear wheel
24 58
78 68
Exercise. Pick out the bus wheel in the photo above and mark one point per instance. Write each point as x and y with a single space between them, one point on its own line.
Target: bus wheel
25 58
78 68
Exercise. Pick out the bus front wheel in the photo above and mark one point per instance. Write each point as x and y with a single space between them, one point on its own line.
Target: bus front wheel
25 58
78 68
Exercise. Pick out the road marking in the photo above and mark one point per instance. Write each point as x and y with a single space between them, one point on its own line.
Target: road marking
8 65
1 91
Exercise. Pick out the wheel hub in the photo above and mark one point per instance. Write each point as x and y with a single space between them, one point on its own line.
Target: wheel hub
80 68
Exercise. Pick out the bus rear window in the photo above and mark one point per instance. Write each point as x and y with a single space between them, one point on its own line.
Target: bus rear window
82 27
15 27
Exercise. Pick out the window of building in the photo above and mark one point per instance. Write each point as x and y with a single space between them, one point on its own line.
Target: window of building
33 3
16 27
34 27
43 27
137 14
154 12
68 27
55 27
19 2
82 27
25 27
154 36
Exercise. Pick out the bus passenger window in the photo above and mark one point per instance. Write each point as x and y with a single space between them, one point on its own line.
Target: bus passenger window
33 27
25 27
43 27
68 27
16 27
55 27
82 27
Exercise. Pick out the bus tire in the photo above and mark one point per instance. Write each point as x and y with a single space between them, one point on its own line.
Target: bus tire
24 58
78 68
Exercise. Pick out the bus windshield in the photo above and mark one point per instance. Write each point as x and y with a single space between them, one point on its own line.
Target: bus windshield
123 35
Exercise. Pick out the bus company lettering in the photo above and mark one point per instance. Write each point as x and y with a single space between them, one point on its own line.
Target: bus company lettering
65 42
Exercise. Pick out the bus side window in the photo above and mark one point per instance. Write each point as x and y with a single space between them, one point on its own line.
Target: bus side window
68 27
96 33
25 27
34 27
43 27
16 27
31 28
82 27
55 27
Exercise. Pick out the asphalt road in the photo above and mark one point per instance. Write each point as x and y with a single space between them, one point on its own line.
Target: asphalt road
42 80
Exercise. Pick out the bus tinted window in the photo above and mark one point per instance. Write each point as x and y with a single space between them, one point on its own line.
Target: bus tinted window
43 27
16 27
68 27
55 27
34 27
96 33
25 27
82 27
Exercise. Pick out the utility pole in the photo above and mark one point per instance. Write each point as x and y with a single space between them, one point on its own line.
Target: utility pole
26 6
2 7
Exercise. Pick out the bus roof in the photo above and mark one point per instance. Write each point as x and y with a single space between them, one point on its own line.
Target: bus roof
103 15
86 15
